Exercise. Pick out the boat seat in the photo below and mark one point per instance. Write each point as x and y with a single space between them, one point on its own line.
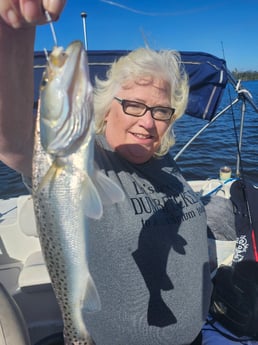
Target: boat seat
34 275
13 329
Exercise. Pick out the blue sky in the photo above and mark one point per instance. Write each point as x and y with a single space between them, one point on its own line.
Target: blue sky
225 28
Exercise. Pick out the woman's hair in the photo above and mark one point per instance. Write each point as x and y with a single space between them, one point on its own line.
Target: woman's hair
140 64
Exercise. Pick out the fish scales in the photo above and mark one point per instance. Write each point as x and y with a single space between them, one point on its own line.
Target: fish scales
67 187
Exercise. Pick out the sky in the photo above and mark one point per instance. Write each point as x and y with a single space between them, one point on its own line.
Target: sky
225 28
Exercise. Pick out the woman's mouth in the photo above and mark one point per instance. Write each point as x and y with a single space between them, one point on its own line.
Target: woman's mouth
142 136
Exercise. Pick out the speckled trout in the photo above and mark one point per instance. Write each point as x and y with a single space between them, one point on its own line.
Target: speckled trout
67 187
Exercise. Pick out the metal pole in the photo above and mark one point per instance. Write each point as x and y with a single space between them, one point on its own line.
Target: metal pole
204 127
84 16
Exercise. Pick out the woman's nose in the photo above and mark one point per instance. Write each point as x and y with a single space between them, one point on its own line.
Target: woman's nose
147 120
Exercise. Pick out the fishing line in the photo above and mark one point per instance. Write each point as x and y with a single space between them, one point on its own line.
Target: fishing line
49 20
156 14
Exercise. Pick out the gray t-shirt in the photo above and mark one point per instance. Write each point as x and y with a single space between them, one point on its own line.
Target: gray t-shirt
148 256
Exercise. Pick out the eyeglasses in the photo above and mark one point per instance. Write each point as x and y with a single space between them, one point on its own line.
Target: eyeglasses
138 109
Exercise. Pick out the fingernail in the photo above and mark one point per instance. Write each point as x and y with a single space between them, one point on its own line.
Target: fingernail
55 6
13 18
30 9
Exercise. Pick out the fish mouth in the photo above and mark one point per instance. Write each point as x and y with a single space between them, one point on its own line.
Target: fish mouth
59 56
64 63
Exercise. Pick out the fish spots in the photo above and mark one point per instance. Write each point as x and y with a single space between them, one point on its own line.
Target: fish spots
72 338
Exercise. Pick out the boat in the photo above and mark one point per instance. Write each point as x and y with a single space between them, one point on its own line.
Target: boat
27 302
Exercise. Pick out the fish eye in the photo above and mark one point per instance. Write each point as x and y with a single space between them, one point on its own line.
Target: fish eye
44 82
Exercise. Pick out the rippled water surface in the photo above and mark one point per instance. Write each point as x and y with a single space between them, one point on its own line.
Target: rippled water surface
216 146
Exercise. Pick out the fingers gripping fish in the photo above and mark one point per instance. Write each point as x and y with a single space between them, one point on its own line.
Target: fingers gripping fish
67 187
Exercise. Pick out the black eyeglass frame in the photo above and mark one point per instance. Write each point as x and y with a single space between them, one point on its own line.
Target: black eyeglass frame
151 109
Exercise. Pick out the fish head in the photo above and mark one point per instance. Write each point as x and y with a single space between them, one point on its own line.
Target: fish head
65 100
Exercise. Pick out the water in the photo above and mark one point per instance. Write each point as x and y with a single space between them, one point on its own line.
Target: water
214 148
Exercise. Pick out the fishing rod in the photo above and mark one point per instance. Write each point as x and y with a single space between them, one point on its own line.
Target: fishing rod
84 16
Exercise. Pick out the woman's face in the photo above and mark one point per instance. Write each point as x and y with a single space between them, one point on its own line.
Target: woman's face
137 138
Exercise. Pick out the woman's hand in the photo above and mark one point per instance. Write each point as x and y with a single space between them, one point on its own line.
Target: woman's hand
22 13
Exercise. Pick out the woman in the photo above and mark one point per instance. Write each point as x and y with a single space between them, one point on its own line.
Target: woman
147 255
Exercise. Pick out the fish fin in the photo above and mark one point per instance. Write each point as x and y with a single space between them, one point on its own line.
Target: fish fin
108 190
92 203
53 172
92 300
